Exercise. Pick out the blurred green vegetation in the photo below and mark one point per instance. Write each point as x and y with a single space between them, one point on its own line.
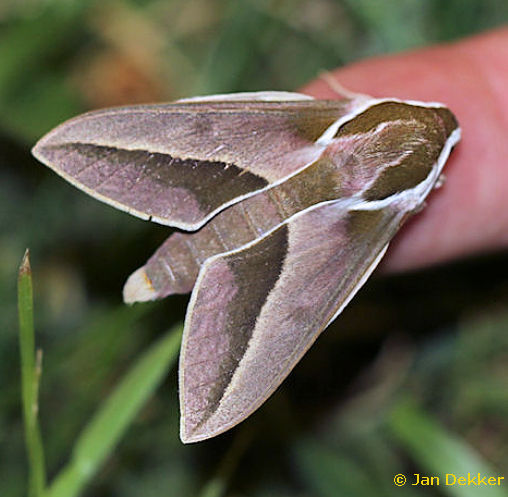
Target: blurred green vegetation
412 378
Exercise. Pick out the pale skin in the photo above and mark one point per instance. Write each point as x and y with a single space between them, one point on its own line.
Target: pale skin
469 214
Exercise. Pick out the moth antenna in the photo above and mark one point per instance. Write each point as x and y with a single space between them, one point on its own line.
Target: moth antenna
334 84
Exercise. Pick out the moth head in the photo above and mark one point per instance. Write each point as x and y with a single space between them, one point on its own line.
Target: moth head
394 146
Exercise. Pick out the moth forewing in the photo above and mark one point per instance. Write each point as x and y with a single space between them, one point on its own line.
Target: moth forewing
180 164
294 200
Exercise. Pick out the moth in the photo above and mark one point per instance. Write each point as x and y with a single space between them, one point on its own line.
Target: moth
285 205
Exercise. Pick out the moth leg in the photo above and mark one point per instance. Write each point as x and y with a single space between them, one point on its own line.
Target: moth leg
440 181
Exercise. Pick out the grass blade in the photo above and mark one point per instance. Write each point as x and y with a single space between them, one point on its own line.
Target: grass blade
439 452
330 473
217 486
103 432
30 374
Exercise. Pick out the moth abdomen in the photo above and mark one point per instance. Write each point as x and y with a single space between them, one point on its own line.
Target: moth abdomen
174 267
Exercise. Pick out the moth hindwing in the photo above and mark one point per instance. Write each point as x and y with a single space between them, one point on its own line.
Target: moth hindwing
289 204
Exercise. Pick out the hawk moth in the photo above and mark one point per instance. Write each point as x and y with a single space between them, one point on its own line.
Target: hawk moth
286 205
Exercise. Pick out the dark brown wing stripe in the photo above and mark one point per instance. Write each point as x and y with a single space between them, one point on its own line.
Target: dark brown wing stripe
157 184
264 269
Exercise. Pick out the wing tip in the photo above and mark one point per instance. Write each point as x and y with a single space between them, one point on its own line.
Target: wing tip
42 150
191 432
38 151
198 433
192 437
138 288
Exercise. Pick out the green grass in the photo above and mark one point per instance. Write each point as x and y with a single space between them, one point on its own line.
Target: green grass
438 452
30 379
114 416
